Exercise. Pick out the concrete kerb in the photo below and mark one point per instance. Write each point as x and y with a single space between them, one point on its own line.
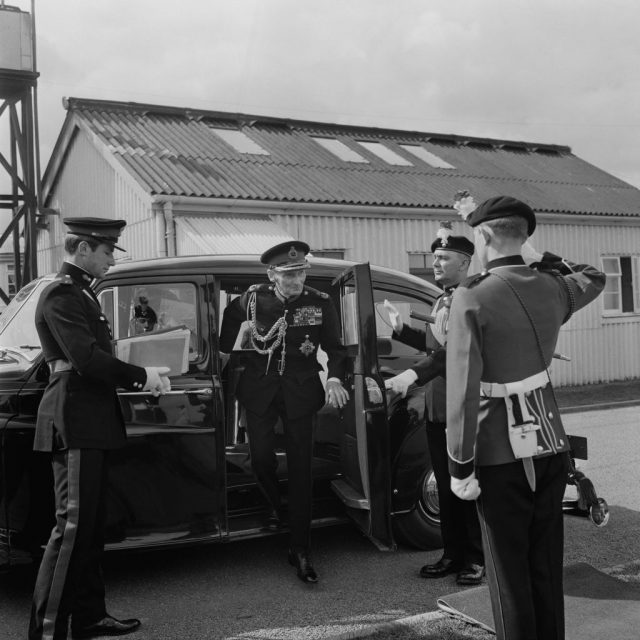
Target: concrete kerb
600 406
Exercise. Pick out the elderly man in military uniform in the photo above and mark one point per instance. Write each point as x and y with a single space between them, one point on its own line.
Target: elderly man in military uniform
287 322
506 442
79 422
461 538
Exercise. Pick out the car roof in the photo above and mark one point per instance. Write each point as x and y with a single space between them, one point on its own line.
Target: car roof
234 264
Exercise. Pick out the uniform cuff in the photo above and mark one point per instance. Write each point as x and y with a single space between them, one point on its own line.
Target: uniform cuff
460 470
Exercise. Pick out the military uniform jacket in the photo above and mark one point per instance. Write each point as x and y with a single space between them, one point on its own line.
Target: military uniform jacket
491 339
80 408
430 370
312 321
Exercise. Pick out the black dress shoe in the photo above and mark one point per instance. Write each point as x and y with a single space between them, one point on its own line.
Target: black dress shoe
302 562
470 574
108 626
441 568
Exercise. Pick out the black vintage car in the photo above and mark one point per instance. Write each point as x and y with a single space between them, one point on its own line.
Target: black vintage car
184 476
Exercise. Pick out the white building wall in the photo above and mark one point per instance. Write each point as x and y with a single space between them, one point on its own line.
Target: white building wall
92 184
601 348
384 240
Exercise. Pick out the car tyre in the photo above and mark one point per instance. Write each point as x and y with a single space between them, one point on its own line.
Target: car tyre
420 528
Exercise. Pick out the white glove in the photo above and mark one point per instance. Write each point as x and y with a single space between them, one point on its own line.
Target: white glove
401 382
394 317
157 380
529 254
467 488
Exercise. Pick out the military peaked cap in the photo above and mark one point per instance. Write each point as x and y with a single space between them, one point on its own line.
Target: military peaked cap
453 243
101 229
503 207
287 256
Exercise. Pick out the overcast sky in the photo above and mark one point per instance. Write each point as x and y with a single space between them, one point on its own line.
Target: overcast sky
552 71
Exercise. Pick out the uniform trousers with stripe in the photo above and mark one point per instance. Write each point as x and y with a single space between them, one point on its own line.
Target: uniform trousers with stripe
70 582
523 536
298 438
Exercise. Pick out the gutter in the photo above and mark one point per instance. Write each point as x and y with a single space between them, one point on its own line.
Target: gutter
194 205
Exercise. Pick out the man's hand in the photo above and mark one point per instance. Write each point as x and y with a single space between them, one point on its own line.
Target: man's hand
394 317
529 254
401 383
337 396
157 380
467 488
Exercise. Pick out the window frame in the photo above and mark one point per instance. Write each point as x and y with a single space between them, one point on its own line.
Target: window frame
621 290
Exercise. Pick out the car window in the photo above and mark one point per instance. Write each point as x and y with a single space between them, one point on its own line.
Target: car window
406 305
149 308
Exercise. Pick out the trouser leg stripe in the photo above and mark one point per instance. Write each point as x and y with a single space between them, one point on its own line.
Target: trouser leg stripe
66 547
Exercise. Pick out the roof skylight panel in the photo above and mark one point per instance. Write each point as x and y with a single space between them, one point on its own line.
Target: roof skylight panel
340 150
240 141
384 153
426 156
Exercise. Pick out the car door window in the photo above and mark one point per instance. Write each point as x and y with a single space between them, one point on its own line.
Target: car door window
406 305
156 307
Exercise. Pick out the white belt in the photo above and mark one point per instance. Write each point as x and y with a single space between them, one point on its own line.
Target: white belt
504 390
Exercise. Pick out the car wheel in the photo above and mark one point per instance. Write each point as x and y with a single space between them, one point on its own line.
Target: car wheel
420 528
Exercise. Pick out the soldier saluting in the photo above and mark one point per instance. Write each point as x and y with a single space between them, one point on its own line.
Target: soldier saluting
286 322
506 443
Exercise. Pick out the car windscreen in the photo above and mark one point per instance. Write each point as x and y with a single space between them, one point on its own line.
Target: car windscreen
19 343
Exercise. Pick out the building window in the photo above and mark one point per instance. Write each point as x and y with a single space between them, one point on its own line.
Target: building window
384 153
340 150
240 141
426 156
622 290
11 280
335 254
421 265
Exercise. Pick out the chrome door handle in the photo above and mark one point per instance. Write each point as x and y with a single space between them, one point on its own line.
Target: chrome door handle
207 391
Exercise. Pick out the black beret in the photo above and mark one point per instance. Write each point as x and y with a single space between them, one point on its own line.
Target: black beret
287 256
453 243
102 229
503 207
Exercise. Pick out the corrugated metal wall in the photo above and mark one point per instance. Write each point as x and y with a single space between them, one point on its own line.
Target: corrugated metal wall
601 349
381 240
90 186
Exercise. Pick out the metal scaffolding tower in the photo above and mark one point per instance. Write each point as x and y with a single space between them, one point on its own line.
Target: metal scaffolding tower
21 159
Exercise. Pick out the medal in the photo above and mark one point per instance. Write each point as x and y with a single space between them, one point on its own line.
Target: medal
307 346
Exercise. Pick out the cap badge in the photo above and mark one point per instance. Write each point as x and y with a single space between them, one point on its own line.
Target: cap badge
443 233
293 254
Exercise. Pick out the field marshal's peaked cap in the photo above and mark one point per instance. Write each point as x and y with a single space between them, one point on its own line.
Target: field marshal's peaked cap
101 229
287 256
503 207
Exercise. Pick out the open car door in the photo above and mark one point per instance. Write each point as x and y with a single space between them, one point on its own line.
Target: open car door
365 486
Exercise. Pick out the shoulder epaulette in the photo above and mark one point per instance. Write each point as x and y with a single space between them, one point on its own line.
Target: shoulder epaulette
63 279
263 286
315 292
478 277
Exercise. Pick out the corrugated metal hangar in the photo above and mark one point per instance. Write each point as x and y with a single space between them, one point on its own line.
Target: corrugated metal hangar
195 182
